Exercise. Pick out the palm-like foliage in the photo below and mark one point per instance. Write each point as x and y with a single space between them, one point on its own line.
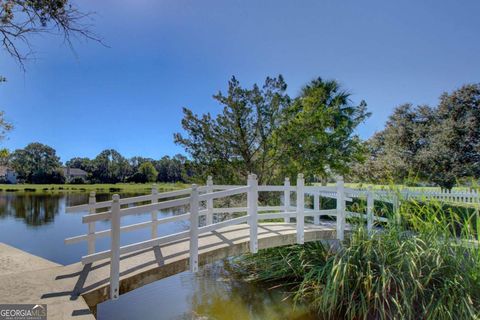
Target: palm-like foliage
319 125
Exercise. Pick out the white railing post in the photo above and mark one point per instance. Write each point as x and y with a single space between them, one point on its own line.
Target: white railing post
396 208
340 209
154 213
252 208
209 219
194 229
300 208
316 207
370 203
91 225
476 203
115 248
286 198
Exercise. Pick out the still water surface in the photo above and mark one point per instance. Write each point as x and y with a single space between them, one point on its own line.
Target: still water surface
37 223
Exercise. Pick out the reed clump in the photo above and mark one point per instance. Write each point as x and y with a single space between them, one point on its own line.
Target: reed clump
426 267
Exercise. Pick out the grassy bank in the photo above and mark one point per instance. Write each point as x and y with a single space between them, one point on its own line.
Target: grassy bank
118 187
425 268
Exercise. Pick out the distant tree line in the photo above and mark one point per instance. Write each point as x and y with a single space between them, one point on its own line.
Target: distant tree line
111 167
38 163
263 130
427 145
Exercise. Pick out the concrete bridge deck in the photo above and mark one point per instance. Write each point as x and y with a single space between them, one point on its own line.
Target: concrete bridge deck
73 291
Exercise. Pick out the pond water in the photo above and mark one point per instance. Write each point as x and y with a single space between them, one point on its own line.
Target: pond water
37 223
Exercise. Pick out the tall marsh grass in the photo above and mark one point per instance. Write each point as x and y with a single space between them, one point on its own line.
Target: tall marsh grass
426 267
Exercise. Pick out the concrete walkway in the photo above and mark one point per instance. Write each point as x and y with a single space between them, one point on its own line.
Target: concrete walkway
73 291
25 278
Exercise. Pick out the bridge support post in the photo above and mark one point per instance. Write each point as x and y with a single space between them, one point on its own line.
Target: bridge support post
194 229
370 207
316 207
154 231
91 225
286 199
115 248
340 209
252 208
209 218
300 208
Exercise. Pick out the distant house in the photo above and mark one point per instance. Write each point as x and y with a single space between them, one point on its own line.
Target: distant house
7 175
72 173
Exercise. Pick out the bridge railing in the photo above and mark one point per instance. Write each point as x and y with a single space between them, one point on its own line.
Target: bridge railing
200 202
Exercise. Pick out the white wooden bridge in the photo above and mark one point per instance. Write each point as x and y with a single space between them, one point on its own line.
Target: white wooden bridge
246 231
214 233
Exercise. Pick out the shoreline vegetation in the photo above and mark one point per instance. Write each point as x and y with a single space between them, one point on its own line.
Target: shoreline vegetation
180 185
112 187
423 268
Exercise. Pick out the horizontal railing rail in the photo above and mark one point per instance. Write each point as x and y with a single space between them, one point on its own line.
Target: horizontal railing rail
223 193
136 246
136 210
132 200
132 227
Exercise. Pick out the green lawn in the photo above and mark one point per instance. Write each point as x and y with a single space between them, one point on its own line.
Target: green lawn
118 187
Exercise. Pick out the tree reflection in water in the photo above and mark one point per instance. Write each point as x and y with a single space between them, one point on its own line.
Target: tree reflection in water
37 209
33 209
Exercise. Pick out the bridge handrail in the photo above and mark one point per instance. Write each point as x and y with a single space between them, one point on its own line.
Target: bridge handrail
223 193
136 246
131 227
136 210
132 200
186 216
193 197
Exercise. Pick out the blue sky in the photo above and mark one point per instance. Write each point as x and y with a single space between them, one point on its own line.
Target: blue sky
163 55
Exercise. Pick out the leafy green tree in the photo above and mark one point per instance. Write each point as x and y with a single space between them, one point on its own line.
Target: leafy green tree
317 136
5 126
428 145
80 163
4 157
148 171
171 169
238 140
136 162
37 163
454 151
397 153
110 167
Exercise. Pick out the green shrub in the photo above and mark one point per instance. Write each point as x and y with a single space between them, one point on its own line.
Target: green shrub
77 180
